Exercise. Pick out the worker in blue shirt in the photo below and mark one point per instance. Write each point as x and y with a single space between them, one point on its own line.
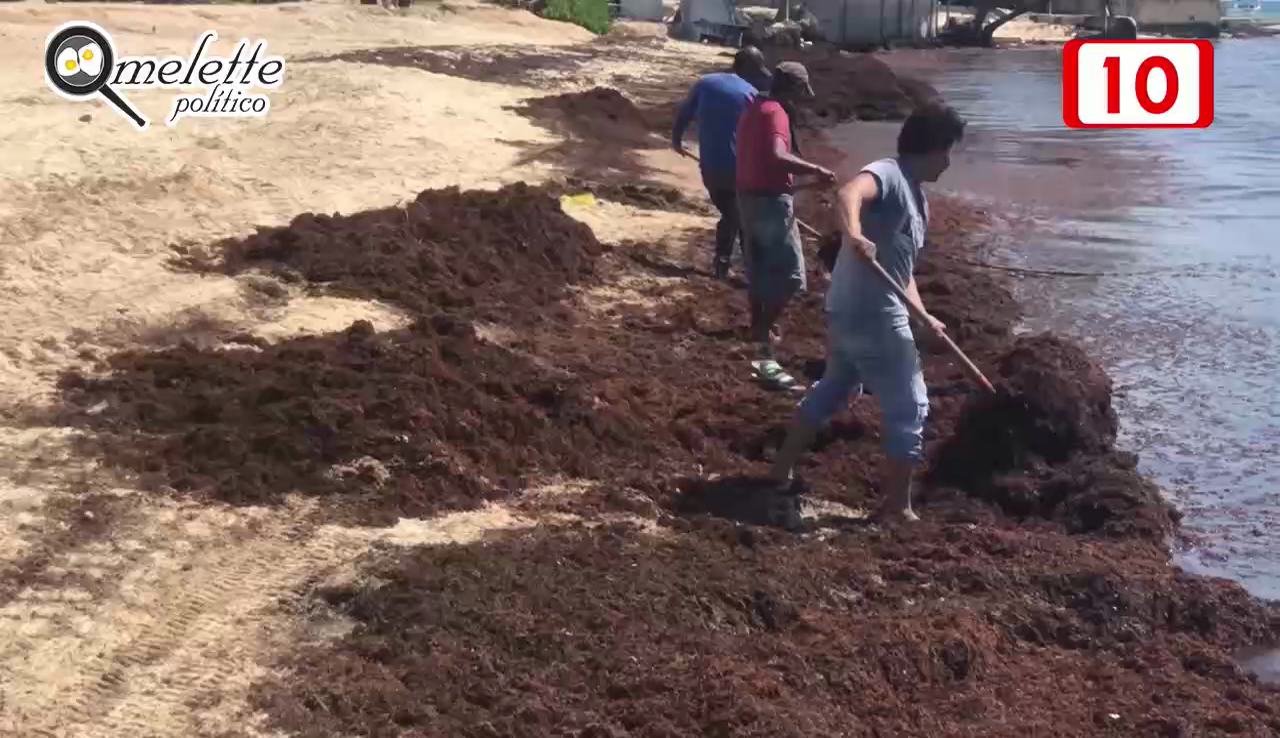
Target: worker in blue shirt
715 102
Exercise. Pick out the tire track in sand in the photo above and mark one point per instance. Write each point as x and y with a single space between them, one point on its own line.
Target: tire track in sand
171 649
186 608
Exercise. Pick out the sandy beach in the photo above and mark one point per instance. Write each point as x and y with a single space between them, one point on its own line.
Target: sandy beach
92 213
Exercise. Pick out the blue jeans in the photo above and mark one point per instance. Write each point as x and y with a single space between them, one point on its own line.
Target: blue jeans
880 351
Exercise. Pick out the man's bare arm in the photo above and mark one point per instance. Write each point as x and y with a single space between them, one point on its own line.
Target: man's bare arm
796 165
913 294
857 192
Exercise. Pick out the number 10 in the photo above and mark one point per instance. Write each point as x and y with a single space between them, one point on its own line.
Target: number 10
1142 84
1137 83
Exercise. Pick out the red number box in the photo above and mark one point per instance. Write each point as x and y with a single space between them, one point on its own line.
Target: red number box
1143 83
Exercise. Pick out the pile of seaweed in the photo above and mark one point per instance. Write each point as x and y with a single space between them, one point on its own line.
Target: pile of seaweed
1044 444
613 631
855 86
1006 614
598 114
404 423
505 254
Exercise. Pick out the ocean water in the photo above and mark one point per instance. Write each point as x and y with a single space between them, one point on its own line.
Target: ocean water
1180 233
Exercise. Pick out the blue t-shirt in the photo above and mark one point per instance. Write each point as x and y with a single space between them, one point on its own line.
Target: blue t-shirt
715 102
896 223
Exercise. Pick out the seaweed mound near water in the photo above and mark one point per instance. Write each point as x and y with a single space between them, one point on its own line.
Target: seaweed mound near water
1051 403
1044 445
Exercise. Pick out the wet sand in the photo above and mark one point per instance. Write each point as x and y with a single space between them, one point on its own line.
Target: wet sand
480 462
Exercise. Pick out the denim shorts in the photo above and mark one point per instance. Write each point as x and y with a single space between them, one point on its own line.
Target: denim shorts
880 352
774 254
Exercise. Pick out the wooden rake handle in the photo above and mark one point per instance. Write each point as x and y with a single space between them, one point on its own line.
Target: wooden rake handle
802 186
970 368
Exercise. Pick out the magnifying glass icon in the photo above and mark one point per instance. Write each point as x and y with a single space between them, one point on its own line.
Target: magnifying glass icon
78 61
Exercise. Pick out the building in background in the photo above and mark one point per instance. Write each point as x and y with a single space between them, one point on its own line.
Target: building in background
1198 18
1175 17
845 22
875 22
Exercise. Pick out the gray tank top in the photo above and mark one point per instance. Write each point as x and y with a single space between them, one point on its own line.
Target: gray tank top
896 223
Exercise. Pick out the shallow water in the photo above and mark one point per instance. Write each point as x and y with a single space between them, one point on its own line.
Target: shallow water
1262 663
1182 229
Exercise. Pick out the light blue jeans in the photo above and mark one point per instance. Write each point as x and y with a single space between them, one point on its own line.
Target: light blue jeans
878 351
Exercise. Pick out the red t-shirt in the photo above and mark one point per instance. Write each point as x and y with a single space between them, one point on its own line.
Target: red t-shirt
758 169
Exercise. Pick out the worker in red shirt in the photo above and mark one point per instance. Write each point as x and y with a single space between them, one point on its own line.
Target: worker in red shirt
767 167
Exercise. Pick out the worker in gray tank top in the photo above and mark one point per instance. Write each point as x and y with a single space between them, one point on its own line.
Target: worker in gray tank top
885 217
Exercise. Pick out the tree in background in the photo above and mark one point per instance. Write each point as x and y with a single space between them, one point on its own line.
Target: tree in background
592 15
